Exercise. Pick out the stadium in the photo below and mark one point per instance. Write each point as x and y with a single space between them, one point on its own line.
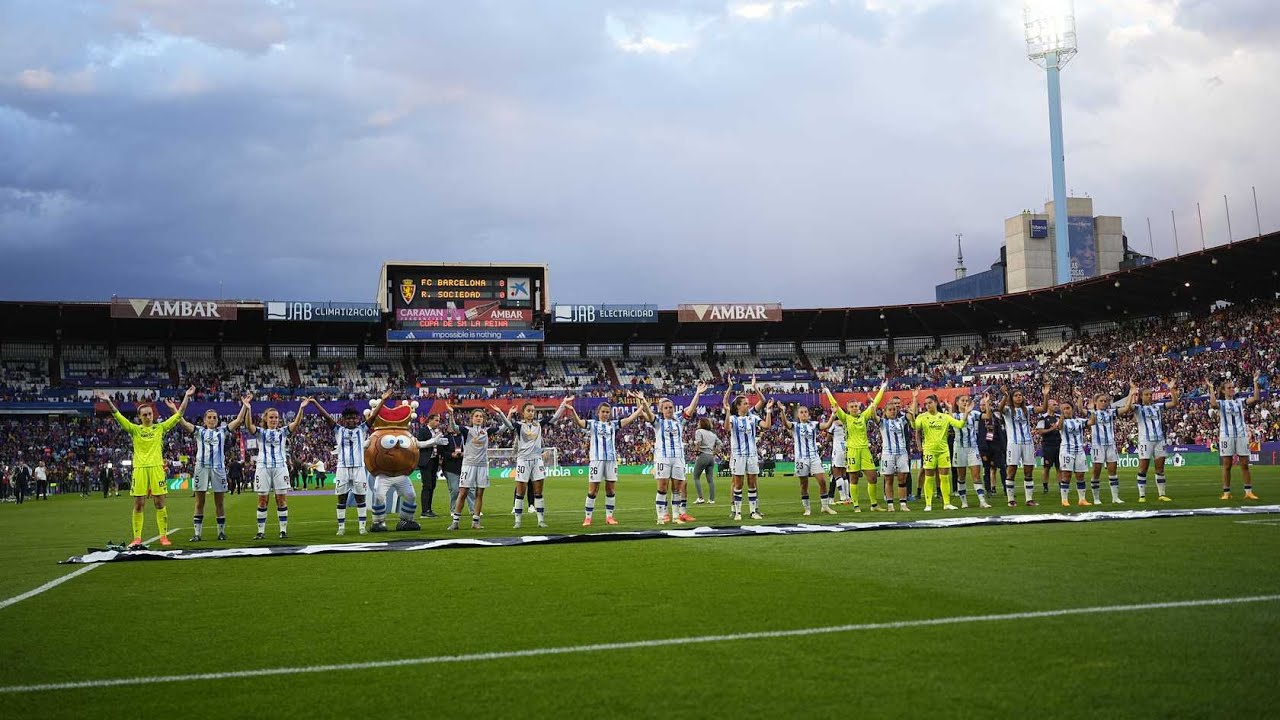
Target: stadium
1053 490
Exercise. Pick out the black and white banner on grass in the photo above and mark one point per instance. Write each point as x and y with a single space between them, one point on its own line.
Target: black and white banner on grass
455 541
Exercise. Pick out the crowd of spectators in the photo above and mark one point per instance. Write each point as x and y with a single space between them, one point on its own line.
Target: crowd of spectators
1238 343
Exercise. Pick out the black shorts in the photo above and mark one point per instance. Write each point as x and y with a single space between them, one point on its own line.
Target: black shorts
1051 456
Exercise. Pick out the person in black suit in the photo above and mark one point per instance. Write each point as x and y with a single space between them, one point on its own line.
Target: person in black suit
429 460
991 443
451 465
104 479
21 481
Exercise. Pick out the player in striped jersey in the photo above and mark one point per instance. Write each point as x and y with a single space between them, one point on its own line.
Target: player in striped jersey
966 452
668 457
272 474
1102 447
1072 461
1151 438
350 476
1233 433
742 421
602 434
1021 448
895 457
856 455
531 468
804 440
210 471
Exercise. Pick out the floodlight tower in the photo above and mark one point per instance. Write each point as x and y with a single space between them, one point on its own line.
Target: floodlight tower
1051 43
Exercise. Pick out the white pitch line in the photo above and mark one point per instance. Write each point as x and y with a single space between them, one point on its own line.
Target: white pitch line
634 644
58 581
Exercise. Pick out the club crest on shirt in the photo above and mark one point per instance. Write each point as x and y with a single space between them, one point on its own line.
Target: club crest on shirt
407 291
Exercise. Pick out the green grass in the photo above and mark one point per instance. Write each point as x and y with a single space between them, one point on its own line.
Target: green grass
163 618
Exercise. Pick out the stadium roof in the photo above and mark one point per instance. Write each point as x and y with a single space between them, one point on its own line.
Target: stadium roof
1238 272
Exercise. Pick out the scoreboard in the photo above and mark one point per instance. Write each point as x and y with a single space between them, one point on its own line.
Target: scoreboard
461 303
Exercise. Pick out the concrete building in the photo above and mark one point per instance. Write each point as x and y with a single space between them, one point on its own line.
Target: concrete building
1095 243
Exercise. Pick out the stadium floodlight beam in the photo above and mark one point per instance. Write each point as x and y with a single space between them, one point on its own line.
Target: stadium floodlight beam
1051 43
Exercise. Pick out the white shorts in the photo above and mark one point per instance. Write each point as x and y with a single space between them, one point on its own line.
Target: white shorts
839 458
1020 454
740 465
205 479
1237 447
474 476
895 463
603 471
809 467
667 469
349 479
966 457
1072 462
529 470
1151 451
266 480
1103 454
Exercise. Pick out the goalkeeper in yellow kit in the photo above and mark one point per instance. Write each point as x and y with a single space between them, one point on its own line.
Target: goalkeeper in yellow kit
148 462
935 451
858 447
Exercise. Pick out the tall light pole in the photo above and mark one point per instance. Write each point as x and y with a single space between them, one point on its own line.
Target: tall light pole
1051 43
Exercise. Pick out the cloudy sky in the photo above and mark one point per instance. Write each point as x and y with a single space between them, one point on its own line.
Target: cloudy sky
819 152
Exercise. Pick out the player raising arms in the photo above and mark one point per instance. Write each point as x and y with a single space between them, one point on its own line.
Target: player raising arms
857 448
602 433
531 469
148 461
1150 417
804 437
1072 462
210 470
668 456
935 453
966 454
742 422
1233 433
272 474
351 478
895 460
475 461
1020 449
1102 421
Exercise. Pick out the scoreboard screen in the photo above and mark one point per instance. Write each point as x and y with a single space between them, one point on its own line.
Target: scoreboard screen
466 302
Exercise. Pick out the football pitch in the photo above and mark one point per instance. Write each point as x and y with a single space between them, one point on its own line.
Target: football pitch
1171 617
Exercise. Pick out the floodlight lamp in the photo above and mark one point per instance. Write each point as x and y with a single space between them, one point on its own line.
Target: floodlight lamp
1051 31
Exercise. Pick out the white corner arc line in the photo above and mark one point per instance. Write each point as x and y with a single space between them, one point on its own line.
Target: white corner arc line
629 645
58 581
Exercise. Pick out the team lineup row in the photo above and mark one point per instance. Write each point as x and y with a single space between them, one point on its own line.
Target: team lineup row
946 440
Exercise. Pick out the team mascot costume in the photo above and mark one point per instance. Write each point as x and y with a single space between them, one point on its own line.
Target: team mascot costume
390 455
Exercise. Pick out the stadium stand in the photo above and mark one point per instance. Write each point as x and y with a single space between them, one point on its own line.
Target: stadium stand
1096 336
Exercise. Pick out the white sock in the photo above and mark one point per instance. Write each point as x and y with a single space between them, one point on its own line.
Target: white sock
1115 487
804 500
1160 486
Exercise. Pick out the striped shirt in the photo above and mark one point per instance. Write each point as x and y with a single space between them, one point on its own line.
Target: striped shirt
1104 427
804 436
668 438
1231 419
742 435
350 442
271 447
967 436
1150 423
1073 435
603 436
893 435
211 444
838 435
1017 420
